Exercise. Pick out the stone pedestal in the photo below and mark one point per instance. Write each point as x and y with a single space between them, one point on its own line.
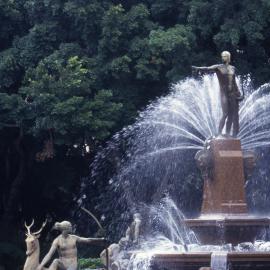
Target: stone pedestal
224 217
224 189
218 230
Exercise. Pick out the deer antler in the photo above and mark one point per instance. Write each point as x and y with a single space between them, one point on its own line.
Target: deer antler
29 227
42 227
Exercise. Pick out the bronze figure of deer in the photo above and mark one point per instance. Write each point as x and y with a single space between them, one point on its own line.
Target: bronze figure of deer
32 246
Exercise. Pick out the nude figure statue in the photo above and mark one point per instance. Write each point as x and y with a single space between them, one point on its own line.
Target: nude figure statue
66 245
229 93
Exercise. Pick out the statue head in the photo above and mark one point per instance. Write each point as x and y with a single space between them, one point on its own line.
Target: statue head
64 227
226 57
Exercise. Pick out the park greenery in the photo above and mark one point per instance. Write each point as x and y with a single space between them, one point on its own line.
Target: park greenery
90 263
73 72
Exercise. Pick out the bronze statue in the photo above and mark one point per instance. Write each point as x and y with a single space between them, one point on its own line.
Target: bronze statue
229 93
32 246
66 245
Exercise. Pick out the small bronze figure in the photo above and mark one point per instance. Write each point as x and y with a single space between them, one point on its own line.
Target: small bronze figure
229 93
66 245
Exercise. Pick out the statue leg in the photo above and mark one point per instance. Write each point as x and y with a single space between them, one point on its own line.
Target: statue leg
230 116
224 106
57 265
236 118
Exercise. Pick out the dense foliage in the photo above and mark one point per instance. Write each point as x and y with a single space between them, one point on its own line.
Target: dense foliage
72 72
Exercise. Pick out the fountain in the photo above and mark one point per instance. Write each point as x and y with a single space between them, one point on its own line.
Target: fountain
167 134
224 214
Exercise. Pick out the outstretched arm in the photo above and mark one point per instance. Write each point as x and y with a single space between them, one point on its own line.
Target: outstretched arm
89 240
206 69
49 255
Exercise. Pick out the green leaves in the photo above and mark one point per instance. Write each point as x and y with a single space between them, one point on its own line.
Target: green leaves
119 66
41 41
64 100
66 53
90 263
12 110
9 70
171 40
162 50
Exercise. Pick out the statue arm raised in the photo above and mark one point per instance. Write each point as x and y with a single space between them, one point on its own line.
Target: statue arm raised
206 69
49 255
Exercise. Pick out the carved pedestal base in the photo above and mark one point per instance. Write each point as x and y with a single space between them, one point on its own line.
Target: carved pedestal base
224 190
224 217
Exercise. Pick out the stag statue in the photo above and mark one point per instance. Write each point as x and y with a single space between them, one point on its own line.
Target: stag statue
32 245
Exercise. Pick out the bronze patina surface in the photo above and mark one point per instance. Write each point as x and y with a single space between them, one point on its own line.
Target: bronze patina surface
229 93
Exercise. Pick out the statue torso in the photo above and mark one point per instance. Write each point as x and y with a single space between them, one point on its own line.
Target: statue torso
226 76
67 250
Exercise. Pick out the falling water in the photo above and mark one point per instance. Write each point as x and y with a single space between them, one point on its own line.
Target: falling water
166 217
219 260
254 119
